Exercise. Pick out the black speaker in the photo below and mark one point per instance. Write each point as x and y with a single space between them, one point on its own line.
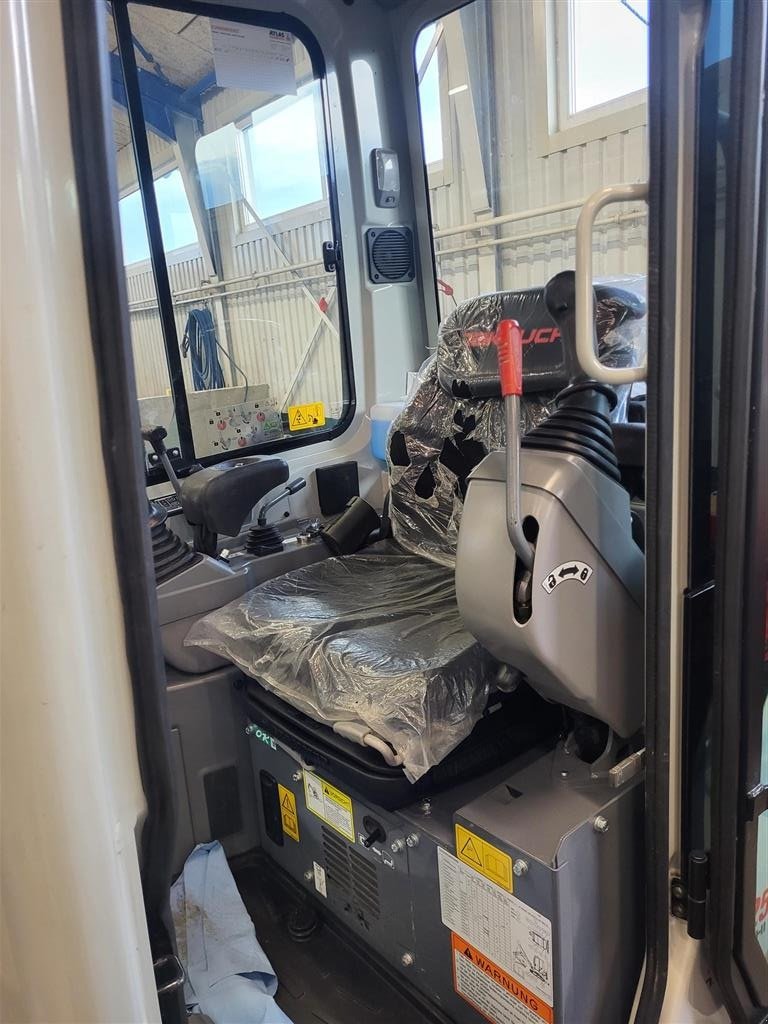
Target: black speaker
390 255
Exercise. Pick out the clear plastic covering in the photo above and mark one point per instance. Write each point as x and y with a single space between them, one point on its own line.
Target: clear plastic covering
373 638
455 415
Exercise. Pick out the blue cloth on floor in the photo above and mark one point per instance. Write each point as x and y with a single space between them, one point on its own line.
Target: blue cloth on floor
228 974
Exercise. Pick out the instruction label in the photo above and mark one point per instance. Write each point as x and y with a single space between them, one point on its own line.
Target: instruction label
305 417
566 571
320 885
484 857
493 992
498 925
330 804
288 815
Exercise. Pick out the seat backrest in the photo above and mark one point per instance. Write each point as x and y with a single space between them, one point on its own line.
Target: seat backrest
455 416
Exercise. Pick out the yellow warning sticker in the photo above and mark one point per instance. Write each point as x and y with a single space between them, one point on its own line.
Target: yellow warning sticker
330 804
304 417
288 813
489 860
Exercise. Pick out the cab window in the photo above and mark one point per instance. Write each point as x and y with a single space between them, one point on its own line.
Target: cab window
222 149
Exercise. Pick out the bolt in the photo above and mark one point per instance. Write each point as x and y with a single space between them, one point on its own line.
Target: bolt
407 959
679 909
297 775
412 841
678 890
397 845
425 806
520 867
600 824
309 875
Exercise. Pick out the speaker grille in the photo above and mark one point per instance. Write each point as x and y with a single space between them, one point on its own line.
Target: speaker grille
390 254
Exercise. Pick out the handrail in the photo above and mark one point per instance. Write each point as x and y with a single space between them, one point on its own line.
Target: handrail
585 295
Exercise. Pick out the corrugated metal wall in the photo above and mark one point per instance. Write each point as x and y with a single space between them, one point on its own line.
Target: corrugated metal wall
539 247
271 326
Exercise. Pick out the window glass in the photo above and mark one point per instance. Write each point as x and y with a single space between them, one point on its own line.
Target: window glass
176 221
283 157
504 217
234 123
429 94
608 50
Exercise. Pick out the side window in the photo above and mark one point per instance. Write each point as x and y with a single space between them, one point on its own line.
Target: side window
225 203
601 57
505 216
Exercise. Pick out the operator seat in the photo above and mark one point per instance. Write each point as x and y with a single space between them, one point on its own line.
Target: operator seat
369 649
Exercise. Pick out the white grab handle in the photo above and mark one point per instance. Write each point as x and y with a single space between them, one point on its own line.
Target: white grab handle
585 296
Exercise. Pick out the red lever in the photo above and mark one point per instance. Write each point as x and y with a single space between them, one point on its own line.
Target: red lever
509 341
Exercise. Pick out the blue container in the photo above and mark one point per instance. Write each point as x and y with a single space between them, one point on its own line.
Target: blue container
382 417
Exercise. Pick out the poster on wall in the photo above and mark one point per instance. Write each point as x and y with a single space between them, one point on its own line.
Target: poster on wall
253 57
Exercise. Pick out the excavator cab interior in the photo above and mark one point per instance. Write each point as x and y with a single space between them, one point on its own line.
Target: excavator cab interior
430 352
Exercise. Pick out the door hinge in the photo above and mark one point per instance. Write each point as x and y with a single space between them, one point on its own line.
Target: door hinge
689 902
331 256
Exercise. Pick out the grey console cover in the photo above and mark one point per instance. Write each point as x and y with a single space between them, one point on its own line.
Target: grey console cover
583 643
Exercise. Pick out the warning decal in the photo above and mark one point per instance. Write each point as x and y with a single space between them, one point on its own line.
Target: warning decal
497 924
496 994
484 857
288 815
330 804
304 417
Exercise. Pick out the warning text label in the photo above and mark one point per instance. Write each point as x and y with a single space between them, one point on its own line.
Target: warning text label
493 992
497 924
330 804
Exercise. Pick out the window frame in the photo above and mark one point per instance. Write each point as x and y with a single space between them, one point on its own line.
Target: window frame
558 129
158 258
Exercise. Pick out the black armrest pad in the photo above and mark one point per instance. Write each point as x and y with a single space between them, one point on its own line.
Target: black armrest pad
220 497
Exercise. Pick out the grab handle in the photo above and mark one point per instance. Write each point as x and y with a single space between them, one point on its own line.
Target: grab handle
585 296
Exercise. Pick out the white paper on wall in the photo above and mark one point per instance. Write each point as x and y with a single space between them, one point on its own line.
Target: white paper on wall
253 57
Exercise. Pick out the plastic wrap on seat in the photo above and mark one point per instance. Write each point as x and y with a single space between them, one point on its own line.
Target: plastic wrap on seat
374 638
455 416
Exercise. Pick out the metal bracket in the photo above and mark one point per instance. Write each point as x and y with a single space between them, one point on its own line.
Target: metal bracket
169 974
331 256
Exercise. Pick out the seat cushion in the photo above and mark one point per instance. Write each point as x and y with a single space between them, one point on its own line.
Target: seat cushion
373 638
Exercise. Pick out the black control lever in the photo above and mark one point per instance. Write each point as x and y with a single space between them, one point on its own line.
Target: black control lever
295 485
155 434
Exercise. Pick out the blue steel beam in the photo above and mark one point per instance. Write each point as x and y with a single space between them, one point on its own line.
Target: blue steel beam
160 100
